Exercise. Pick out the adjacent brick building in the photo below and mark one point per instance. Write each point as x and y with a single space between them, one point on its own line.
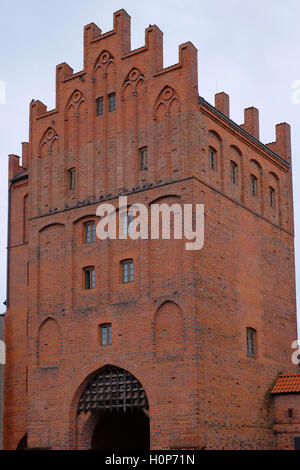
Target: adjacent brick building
196 339
286 394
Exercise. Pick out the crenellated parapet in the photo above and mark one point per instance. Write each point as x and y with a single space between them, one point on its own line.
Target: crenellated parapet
251 122
282 144
122 101
222 103
25 155
125 104
14 166
17 164
117 44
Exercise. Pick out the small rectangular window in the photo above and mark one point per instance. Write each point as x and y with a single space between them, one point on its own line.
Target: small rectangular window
106 334
125 224
127 227
112 102
90 232
233 167
272 197
144 158
72 179
25 219
89 278
212 158
251 342
128 271
253 185
100 106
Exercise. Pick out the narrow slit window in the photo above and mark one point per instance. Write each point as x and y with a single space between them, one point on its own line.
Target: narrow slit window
253 185
272 197
100 106
212 158
106 334
234 170
89 278
251 342
112 102
72 179
90 232
127 271
144 158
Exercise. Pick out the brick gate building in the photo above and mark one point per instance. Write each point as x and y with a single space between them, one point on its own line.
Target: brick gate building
109 339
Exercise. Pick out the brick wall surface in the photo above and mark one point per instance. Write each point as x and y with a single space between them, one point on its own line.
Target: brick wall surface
180 327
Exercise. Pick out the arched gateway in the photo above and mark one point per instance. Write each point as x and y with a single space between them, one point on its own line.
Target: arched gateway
117 406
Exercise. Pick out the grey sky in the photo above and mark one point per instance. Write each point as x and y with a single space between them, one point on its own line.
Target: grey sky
249 49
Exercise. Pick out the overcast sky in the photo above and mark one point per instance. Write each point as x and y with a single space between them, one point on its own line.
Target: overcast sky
249 49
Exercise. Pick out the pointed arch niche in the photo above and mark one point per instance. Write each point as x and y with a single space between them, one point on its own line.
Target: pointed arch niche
49 341
135 120
169 329
52 268
48 154
167 133
76 138
213 165
103 126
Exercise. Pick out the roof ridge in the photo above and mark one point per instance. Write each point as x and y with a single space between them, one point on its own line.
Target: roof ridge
290 375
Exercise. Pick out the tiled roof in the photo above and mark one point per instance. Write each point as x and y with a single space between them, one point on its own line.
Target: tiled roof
287 384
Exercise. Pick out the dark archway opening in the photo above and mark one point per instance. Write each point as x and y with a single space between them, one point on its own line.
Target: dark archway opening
117 430
119 406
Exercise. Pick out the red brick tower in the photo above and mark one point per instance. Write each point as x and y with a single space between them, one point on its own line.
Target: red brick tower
178 349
